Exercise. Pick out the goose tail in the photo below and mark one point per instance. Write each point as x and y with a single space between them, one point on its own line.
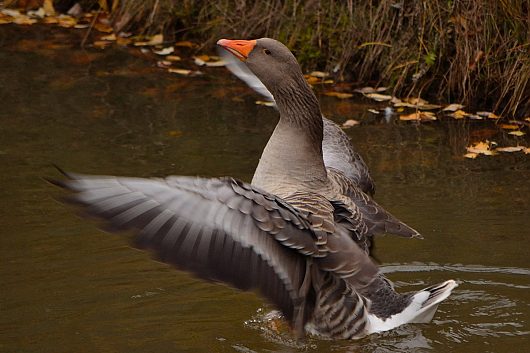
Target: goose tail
421 308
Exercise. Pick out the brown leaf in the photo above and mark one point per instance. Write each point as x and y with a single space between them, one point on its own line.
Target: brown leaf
509 126
517 133
452 107
186 44
154 40
418 116
378 96
482 147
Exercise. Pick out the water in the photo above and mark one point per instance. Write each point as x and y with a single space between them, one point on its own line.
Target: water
68 287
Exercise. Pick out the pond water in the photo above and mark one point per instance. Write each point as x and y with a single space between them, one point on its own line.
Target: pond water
68 287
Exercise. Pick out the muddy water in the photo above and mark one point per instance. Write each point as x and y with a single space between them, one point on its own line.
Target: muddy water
68 287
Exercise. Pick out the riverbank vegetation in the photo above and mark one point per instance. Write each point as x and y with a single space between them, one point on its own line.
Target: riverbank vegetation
475 53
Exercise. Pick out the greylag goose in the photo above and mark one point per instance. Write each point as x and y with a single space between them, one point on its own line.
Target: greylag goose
300 249
344 165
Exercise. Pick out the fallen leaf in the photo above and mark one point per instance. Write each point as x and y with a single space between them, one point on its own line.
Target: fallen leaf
509 126
517 133
471 155
184 72
40 13
489 115
415 100
453 107
24 20
265 103
373 111
173 58
109 37
81 25
66 21
510 149
395 100
340 95
482 147
378 96
349 123
165 51
526 150
369 89
312 80
103 27
459 114
319 74
154 40
418 116
50 20
123 41
474 117
186 44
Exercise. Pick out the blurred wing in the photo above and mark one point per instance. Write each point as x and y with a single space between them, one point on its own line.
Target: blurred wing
223 230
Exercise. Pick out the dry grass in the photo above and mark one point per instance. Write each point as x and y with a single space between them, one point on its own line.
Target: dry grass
472 52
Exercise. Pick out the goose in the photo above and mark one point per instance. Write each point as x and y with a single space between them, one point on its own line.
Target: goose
298 242
339 158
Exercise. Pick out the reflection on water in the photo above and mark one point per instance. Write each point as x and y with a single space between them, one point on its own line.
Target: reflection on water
68 287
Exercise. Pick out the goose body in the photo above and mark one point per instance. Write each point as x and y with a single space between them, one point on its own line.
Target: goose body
299 234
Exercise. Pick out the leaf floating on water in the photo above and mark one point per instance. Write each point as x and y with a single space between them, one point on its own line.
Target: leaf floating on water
339 95
349 123
186 44
165 51
488 115
184 72
319 74
164 64
459 114
471 155
509 126
103 27
373 111
66 21
482 147
526 150
453 107
154 40
109 37
510 149
378 96
418 116
173 58
517 133
265 103
366 90
40 13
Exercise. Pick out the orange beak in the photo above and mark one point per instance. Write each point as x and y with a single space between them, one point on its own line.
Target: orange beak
240 48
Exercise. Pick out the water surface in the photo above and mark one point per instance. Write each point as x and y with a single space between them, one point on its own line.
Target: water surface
68 287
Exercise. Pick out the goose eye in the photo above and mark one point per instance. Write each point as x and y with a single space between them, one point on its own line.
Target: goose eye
267 51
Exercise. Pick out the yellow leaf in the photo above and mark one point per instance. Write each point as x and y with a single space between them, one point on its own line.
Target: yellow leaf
312 80
453 107
509 126
123 41
459 114
50 20
418 116
110 37
378 96
173 58
471 155
526 150
489 115
510 149
349 123
340 95
154 40
102 27
373 111
517 133
482 147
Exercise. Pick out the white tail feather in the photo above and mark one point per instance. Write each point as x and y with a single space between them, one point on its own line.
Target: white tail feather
421 309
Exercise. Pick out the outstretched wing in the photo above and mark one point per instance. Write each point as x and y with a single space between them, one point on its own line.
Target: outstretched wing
223 230
337 150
